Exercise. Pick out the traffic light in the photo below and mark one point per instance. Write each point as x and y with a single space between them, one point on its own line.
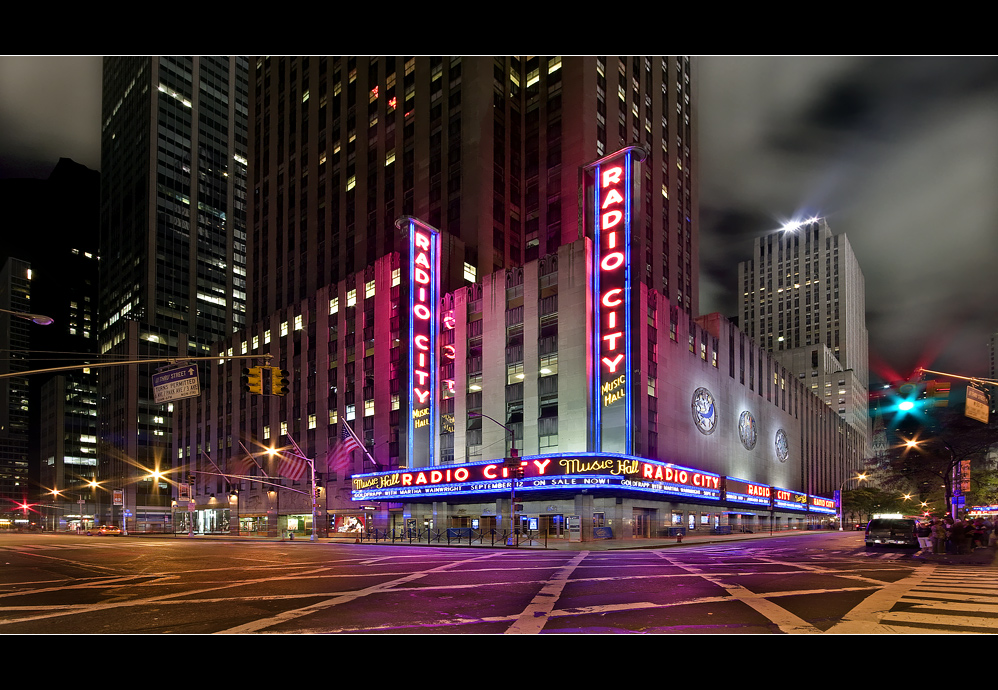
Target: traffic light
253 380
279 381
937 393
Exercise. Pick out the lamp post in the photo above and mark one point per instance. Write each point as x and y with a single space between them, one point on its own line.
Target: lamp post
313 496
513 464
861 477
40 319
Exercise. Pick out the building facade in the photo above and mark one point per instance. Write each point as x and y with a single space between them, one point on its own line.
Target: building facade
712 407
657 420
173 236
15 340
804 300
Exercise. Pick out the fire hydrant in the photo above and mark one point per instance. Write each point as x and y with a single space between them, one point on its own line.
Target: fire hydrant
679 538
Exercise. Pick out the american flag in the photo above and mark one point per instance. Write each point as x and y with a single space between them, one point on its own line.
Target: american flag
341 456
292 466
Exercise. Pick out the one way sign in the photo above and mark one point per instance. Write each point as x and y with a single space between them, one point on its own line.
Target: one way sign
175 384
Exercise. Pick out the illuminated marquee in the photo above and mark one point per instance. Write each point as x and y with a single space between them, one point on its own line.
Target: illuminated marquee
424 300
540 472
820 504
611 214
738 491
785 498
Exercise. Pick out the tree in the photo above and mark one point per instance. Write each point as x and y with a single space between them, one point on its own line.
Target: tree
930 451
862 503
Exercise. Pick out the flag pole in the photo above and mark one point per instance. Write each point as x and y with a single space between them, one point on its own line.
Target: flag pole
360 443
315 490
253 460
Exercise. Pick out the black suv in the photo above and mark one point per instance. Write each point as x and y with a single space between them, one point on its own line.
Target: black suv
888 531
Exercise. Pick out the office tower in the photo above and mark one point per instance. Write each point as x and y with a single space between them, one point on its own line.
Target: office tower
488 150
485 149
173 267
61 248
804 300
15 341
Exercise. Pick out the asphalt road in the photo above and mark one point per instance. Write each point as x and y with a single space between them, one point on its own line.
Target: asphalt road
811 584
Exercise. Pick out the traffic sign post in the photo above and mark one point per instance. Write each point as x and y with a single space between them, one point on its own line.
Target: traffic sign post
176 384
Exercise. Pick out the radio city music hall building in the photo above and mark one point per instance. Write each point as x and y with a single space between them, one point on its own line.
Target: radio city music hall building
626 412
629 415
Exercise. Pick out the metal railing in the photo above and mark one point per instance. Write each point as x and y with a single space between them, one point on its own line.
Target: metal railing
452 536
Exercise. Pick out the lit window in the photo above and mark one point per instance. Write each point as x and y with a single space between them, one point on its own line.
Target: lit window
334 305
351 298
396 276
368 408
470 274
266 336
311 421
298 322
284 328
369 289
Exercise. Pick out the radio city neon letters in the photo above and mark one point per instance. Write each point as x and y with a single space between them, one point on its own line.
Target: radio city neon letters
424 249
614 259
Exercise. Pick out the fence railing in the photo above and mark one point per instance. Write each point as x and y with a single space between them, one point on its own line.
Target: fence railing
452 536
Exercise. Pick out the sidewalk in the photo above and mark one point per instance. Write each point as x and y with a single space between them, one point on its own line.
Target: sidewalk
985 557
552 544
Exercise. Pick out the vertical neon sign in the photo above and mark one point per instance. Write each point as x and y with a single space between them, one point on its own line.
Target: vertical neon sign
612 384
424 304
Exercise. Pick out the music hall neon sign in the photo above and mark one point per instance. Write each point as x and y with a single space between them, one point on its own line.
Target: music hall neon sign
424 300
613 191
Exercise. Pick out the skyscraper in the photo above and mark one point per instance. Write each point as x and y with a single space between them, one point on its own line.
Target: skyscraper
804 299
173 262
488 150
15 297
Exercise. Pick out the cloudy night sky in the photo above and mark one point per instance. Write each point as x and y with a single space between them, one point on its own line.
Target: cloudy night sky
898 153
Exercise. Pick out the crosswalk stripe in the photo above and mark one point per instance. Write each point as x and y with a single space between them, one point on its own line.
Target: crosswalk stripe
959 600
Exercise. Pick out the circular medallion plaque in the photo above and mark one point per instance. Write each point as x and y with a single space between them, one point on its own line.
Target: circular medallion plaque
746 430
704 411
782 446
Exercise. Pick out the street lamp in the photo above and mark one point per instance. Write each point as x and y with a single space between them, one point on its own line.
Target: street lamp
314 498
860 477
40 319
513 464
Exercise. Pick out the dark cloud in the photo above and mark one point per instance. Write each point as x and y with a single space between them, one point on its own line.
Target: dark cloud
50 109
900 154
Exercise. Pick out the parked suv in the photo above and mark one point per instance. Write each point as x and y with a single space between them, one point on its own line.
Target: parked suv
887 531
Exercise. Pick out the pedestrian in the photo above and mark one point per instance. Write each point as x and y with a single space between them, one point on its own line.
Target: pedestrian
924 534
978 538
938 531
958 536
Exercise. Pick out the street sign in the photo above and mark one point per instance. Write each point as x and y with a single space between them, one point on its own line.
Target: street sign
977 404
175 384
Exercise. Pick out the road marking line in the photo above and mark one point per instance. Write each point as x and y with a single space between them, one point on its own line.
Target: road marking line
263 623
533 618
866 617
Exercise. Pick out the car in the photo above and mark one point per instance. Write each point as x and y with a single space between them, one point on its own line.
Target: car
859 526
892 532
108 530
